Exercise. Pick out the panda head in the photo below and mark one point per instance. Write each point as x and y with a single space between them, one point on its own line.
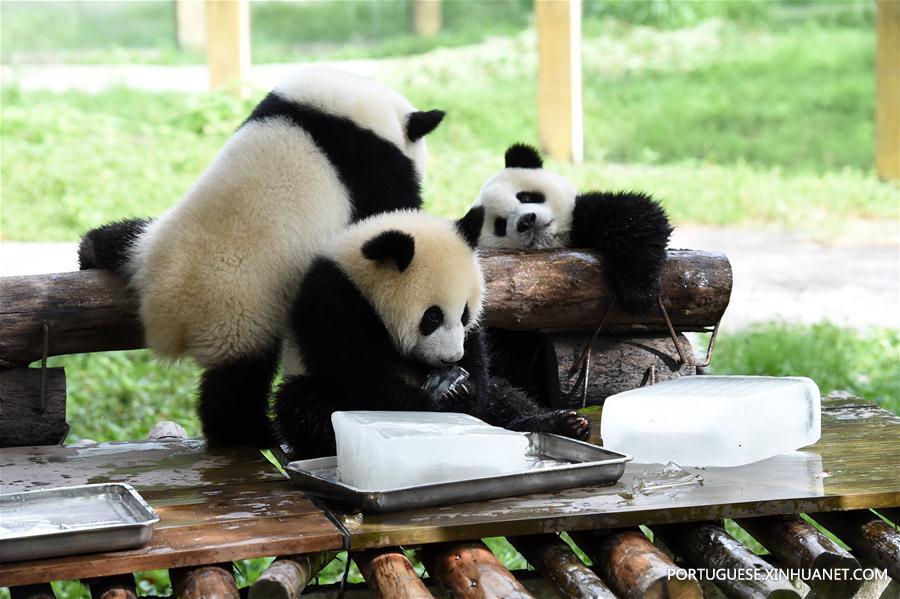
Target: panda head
524 206
367 103
421 275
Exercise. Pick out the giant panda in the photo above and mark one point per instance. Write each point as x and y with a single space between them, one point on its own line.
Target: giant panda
214 274
525 206
391 298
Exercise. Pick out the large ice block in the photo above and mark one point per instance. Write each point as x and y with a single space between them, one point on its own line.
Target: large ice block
713 420
389 450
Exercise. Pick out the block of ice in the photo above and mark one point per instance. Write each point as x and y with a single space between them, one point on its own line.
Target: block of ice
713 420
389 450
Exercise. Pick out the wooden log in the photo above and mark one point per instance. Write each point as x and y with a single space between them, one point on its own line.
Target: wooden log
27 418
468 570
633 567
426 17
204 582
887 109
32 591
92 311
287 576
617 363
84 312
565 290
112 587
390 574
561 566
876 542
560 111
227 43
707 545
797 544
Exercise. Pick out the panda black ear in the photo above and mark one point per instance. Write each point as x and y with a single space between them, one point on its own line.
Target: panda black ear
391 245
419 124
523 156
470 225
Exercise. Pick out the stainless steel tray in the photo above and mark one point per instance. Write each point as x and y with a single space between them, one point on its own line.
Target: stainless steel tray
556 463
71 520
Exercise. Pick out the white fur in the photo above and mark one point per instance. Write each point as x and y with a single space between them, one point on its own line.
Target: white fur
215 273
554 215
444 272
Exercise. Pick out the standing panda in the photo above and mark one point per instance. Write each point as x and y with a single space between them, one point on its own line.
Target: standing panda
214 274
527 207
394 297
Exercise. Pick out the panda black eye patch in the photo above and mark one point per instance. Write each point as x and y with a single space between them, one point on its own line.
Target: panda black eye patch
431 320
465 315
530 197
500 227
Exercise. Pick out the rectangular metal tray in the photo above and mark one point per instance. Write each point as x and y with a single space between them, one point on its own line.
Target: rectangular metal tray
72 520
556 463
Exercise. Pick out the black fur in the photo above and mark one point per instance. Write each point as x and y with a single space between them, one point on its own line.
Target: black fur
351 364
109 246
391 245
470 225
631 230
419 124
378 176
234 400
523 156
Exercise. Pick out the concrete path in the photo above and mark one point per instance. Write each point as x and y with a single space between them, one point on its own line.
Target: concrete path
776 275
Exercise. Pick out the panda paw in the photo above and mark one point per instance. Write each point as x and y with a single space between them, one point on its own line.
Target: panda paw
567 423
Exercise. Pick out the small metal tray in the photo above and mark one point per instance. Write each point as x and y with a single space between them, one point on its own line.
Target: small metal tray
72 520
555 463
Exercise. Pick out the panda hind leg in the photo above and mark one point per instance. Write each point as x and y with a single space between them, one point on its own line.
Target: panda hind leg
233 401
512 408
303 418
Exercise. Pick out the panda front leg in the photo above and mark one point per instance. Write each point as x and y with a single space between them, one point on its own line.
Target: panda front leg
303 411
233 400
509 407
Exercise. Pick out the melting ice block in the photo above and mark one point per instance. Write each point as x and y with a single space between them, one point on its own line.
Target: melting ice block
389 450
713 420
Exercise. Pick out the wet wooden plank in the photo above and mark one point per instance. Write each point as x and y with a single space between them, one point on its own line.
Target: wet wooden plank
853 466
214 506
149 466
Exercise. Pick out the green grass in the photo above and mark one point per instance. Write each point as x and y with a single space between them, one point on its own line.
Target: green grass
866 364
741 128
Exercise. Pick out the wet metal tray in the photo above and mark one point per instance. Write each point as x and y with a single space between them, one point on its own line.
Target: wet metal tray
72 520
555 463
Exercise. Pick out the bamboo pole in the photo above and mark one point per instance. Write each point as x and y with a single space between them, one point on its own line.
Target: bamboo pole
887 109
426 17
797 544
469 570
557 562
204 582
875 541
389 574
286 577
633 567
190 22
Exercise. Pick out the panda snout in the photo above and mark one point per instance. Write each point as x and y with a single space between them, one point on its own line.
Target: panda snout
526 222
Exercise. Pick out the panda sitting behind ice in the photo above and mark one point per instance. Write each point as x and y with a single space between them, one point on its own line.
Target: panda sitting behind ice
527 207
392 298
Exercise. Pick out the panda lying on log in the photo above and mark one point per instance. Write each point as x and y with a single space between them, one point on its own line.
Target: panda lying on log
526 207
394 297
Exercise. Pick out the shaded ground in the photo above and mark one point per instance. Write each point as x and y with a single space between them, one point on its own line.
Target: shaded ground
777 276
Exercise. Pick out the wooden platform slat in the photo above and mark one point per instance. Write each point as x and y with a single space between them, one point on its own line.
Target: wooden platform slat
853 466
213 506
150 466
